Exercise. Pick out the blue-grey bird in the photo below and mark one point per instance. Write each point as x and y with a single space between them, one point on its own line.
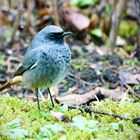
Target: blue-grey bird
46 61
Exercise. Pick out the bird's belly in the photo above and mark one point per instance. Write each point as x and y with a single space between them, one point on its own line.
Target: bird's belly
45 76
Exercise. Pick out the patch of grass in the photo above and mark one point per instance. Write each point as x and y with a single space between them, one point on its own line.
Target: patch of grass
20 119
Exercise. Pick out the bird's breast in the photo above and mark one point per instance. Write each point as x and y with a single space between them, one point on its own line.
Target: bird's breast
51 69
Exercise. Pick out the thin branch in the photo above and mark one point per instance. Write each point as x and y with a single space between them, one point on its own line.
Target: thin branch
132 91
88 109
137 5
103 112
17 20
116 18
56 11
28 20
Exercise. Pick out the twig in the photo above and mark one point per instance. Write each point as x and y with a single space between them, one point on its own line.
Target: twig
29 23
116 18
88 109
56 11
17 20
137 5
132 91
103 112
9 4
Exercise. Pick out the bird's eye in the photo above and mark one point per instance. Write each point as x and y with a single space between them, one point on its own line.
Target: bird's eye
58 34
51 35
55 35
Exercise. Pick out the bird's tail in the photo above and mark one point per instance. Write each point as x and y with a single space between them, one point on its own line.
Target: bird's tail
15 80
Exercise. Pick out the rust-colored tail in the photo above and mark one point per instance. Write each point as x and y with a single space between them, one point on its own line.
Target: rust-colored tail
15 80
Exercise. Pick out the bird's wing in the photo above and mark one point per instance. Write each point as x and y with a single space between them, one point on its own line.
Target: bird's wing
24 66
29 62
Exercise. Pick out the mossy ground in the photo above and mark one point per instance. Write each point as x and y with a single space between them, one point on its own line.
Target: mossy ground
20 119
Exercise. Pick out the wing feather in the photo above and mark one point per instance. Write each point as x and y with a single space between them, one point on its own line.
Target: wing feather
24 66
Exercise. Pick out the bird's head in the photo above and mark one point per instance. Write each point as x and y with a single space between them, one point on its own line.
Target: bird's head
53 33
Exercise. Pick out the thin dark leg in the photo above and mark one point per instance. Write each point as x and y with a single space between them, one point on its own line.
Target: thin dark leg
50 97
38 105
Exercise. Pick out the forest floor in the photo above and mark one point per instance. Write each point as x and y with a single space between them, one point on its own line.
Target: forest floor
99 98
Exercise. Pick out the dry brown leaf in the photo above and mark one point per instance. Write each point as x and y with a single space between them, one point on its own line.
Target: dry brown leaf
129 78
94 20
114 94
54 90
45 11
78 20
76 99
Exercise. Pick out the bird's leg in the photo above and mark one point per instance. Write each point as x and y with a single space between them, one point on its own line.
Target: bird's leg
42 97
50 97
38 105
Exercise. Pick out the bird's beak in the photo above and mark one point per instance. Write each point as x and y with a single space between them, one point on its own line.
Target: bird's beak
67 33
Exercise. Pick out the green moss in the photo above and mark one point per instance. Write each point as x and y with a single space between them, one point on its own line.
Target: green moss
129 48
128 29
84 3
131 62
79 64
20 119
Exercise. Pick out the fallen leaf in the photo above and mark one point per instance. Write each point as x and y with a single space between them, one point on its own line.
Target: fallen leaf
114 94
129 78
94 20
76 99
45 11
78 20
96 94
54 90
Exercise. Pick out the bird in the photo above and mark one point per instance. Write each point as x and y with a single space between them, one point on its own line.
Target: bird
46 62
